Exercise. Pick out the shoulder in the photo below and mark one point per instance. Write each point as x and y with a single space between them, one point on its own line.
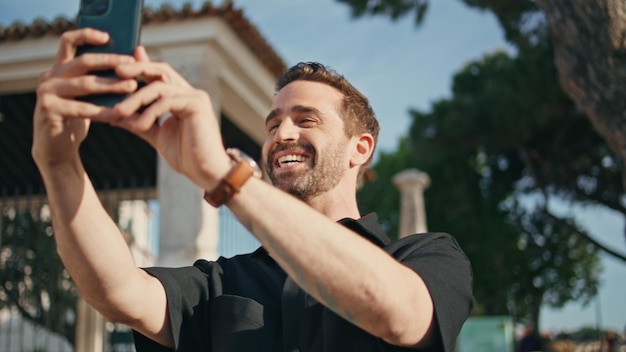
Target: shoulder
422 244
445 269
436 257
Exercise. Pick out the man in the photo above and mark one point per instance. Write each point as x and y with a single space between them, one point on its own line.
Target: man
325 279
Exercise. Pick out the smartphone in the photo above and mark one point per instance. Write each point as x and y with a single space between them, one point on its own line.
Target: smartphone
122 20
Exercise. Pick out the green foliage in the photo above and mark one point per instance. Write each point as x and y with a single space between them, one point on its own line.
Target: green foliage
507 138
586 334
521 20
551 264
392 8
381 195
33 281
498 152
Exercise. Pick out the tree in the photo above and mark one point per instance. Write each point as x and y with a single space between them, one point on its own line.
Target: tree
588 41
508 135
32 278
589 45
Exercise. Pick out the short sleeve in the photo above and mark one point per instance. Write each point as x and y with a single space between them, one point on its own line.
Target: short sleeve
439 261
188 294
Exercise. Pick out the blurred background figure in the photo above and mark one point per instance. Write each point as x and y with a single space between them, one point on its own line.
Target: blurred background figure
530 340
610 342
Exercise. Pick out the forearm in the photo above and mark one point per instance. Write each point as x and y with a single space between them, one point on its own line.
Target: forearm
342 270
88 241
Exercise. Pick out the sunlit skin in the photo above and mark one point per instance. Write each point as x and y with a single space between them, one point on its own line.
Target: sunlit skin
306 147
307 152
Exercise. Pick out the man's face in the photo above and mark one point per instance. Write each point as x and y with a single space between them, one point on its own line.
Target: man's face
305 151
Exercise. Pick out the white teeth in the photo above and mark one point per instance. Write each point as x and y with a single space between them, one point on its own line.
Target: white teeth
284 160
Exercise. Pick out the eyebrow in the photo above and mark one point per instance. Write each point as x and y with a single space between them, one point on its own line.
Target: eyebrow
272 115
295 108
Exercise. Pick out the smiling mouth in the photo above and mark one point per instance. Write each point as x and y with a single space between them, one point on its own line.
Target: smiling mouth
290 160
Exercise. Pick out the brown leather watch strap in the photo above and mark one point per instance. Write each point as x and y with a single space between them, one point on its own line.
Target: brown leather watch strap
242 170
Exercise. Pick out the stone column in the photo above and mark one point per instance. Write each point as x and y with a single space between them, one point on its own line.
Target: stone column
412 184
188 226
89 328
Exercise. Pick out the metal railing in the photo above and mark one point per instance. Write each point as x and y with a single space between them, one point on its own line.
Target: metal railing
38 300
37 296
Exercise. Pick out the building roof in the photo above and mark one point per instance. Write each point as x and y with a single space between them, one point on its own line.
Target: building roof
235 18
105 152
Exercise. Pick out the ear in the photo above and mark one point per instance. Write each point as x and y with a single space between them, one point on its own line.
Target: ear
362 150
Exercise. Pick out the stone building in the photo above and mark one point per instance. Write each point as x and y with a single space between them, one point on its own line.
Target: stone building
215 48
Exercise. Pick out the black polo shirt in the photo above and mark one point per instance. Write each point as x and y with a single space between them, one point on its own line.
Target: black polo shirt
247 303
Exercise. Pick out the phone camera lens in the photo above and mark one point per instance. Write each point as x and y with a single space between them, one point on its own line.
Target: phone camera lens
100 8
94 7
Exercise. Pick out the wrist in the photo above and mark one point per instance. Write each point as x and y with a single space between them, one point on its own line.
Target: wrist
242 169
65 168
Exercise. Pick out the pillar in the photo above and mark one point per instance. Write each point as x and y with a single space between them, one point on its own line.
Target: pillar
89 328
188 226
412 184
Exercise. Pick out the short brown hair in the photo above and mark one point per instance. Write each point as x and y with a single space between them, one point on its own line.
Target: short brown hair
358 115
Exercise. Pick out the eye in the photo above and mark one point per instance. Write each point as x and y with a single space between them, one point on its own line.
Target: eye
307 121
271 126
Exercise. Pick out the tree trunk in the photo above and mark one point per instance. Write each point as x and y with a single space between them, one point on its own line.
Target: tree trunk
589 38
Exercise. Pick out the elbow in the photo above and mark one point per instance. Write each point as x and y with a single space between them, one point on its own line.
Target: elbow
410 328
400 333
407 336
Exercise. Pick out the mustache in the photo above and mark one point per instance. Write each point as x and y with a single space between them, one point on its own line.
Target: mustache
290 146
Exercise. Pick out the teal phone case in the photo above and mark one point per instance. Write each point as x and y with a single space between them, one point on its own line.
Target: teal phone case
122 20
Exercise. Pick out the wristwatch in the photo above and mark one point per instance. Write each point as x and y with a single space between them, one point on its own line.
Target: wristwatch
243 168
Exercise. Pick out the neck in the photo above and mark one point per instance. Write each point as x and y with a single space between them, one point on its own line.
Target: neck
336 204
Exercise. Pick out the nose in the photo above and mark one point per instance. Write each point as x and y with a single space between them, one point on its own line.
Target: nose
286 131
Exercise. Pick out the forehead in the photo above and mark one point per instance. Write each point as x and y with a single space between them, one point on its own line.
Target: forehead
306 93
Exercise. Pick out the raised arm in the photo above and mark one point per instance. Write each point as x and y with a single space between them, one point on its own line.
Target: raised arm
342 270
88 241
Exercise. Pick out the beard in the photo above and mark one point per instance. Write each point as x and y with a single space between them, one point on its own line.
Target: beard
321 175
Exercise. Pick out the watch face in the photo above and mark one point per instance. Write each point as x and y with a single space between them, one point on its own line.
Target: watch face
257 170
243 168
237 155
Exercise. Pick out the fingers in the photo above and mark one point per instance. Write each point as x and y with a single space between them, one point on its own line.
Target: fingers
152 72
48 104
72 76
128 112
145 126
87 85
89 63
68 65
158 99
72 39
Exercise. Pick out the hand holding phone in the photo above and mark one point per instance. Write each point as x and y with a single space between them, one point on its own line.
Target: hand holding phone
122 20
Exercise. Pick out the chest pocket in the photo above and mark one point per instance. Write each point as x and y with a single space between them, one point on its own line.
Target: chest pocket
239 324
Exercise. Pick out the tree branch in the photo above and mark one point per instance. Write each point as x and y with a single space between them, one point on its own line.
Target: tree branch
585 235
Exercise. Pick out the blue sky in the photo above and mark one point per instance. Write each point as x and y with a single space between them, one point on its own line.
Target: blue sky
398 67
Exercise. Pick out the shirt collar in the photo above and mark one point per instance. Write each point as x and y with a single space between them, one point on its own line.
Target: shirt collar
368 227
